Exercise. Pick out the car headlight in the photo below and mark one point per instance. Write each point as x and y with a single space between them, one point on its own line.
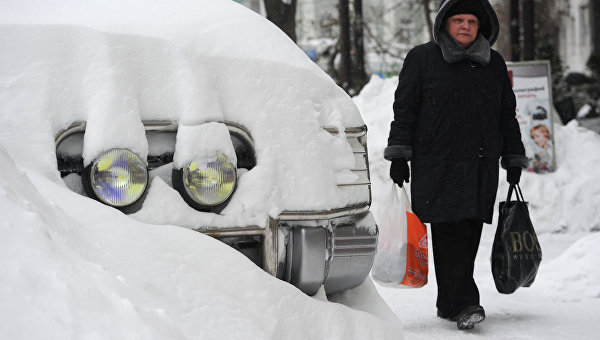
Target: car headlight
118 177
206 184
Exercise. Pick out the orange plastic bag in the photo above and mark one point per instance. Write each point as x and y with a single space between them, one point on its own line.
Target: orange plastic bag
402 255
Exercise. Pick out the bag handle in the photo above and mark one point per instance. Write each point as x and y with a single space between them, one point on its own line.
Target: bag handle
401 191
406 193
518 192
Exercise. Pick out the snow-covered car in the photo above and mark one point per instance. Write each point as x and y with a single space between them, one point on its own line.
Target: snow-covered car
199 114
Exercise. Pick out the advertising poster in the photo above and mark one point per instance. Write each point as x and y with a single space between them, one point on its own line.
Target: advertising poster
532 87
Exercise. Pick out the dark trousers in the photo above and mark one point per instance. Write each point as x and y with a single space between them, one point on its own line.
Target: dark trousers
454 249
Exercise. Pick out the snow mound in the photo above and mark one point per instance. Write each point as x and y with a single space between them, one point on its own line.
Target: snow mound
113 64
91 272
574 275
561 200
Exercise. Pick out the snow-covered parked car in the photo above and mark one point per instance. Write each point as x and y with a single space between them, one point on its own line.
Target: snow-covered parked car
199 114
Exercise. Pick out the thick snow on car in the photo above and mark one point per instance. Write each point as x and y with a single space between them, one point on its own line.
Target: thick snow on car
199 114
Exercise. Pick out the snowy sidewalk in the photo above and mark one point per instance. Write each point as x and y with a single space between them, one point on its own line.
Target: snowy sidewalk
530 313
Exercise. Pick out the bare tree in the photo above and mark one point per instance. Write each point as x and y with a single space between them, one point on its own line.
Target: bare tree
283 14
594 60
359 74
346 62
393 46
595 19
528 30
427 12
515 31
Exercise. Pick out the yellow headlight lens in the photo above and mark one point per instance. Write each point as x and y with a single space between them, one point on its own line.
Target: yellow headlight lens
210 182
118 177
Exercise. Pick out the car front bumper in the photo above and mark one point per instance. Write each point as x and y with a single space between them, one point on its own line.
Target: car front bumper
334 249
331 248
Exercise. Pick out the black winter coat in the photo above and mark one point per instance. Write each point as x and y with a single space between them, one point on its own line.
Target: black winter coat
456 120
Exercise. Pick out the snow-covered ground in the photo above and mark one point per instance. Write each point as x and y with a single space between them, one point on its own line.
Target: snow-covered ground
564 301
75 269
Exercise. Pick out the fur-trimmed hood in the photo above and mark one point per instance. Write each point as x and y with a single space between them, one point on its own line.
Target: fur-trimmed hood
489 27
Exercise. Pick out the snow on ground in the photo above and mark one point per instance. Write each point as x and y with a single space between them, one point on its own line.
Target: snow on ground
75 269
564 301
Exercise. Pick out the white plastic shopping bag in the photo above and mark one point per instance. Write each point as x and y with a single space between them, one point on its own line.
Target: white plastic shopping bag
402 250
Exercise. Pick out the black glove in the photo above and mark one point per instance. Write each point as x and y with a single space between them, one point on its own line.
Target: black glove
399 171
513 175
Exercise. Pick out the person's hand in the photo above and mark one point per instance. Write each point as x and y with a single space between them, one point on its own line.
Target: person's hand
399 171
513 175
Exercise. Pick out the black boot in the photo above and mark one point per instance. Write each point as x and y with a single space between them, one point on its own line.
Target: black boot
442 315
469 316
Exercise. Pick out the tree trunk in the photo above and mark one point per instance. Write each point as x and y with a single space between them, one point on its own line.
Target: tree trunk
427 11
346 60
595 19
359 50
528 30
593 62
515 31
283 16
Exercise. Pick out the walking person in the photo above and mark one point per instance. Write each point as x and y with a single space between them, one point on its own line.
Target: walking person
454 119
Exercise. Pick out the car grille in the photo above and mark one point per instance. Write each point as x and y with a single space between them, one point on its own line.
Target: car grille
360 187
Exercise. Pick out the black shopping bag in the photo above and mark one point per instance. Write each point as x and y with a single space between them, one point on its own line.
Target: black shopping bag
516 252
